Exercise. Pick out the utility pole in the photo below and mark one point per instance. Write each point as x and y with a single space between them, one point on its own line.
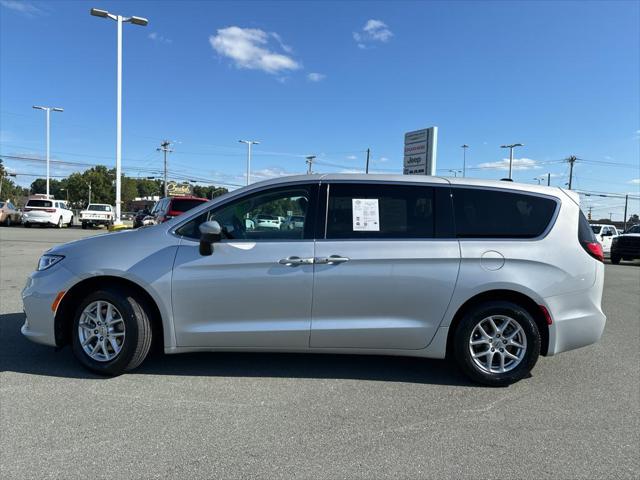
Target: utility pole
548 179
366 170
249 144
626 203
511 147
89 194
309 162
610 215
572 159
164 147
464 160
590 208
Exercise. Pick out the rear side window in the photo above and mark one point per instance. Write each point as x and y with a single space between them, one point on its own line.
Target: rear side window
499 214
184 204
39 203
585 231
370 211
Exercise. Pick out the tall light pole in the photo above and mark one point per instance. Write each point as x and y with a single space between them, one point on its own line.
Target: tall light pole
464 159
48 111
511 147
249 144
455 172
120 20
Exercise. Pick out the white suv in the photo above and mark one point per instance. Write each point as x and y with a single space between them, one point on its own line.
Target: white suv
41 211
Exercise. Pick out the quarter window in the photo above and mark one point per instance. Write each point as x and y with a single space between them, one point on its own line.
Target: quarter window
500 214
374 211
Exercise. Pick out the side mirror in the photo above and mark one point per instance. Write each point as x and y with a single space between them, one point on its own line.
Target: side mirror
210 232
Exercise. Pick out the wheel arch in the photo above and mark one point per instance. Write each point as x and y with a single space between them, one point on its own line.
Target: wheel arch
503 295
64 314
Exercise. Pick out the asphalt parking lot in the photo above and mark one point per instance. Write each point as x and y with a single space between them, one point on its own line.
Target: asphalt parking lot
304 416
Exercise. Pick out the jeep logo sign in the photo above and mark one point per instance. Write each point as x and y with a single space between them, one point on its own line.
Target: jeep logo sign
420 151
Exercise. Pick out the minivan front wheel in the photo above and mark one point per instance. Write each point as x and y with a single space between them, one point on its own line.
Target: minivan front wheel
497 343
111 331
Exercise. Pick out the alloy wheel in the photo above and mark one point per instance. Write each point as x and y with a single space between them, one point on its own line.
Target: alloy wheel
497 344
101 331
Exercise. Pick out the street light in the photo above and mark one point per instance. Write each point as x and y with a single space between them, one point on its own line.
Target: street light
538 179
48 111
511 147
96 12
249 143
455 172
464 159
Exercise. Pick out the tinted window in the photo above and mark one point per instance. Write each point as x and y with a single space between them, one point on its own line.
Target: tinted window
499 214
39 203
255 217
99 208
585 232
634 229
380 211
185 204
596 229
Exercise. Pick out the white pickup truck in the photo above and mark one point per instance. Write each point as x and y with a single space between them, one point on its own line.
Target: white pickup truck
96 214
605 234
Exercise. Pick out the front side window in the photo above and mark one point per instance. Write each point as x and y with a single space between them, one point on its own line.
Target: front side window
378 211
260 216
500 214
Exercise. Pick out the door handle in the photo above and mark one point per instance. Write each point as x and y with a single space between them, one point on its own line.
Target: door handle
295 261
332 260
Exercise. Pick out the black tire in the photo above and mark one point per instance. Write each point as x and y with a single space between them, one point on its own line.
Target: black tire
7 221
60 223
462 336
27 225
137 326
70 224
615 259
84 225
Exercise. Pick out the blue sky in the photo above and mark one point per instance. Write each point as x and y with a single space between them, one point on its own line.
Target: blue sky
330 79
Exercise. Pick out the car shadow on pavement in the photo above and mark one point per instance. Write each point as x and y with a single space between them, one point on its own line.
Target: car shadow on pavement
17 354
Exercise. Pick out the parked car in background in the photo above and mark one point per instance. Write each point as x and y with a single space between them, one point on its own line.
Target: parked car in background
293 222
97 214
9 214
170 207
266 221
626 246
491 273
140 215
604 234
42 211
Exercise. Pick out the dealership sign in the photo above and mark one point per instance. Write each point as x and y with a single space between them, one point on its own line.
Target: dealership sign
420 151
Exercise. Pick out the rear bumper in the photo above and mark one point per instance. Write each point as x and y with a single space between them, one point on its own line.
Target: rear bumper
578 319
28 219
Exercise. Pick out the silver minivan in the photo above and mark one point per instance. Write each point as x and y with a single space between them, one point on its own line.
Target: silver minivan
492 274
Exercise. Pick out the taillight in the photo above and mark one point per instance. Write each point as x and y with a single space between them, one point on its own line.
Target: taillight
173 213
595 250
546 314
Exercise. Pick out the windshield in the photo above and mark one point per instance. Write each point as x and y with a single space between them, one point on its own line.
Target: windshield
99 208
596 229
634 229
39 203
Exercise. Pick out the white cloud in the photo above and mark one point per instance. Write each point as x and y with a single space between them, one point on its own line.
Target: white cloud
351 157
382 160
374 31
249 48
25 8
316 77
635 181
518 164
156 37
284 46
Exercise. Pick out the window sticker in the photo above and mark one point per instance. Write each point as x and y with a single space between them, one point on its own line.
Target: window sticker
366 214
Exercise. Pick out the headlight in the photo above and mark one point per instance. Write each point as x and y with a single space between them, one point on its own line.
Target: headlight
47 261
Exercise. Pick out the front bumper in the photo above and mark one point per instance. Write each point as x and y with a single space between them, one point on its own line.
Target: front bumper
37 298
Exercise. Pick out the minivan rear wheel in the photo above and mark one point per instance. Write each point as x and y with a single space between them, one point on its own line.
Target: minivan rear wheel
497 343
111 331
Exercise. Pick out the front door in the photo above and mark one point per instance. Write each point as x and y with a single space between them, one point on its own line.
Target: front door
255 290
385 274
